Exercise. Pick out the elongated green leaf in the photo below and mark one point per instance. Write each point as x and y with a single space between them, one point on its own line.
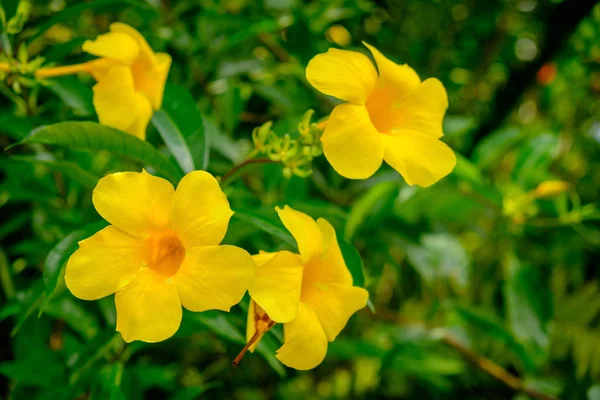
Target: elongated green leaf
353 261
68 168
268 225
490 326
373 202
180 124
74 94
93 136
56 261
526 314
108 383
76 10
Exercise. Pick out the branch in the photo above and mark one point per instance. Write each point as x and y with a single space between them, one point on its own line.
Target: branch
242 165
494 370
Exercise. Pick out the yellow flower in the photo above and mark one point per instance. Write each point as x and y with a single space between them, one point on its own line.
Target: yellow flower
390 116
310 293
131 78
160 253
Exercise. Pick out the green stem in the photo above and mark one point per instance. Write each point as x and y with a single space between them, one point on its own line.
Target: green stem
243 165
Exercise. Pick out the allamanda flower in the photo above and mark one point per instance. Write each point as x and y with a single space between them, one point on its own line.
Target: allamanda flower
161 252
311 293
390 115
131 78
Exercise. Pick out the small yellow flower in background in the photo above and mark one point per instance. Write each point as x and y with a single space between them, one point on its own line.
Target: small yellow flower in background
310 293
339 35
131 78
390 115
550 189
161 252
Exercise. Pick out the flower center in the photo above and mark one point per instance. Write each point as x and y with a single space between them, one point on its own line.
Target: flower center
380 106
165 253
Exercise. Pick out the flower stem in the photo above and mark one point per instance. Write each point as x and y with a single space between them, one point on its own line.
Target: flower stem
254 338
242 165
61 71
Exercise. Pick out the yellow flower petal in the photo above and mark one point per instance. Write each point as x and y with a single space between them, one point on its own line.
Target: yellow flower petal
421 159
99 67
151 82
304 229
330 267
150 69
401 77
334 304
213 277
277 284
347 75
263 257
145 51
115 98
148 309
200 213
142 118
305 343
423 109
351 143
113 45
137 203
104 264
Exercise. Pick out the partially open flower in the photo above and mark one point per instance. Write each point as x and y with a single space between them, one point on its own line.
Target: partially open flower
390 115
161 252
311 293
131 78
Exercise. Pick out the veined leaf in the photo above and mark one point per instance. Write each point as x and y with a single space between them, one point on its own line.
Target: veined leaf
68 168
57 258
93 136
180 124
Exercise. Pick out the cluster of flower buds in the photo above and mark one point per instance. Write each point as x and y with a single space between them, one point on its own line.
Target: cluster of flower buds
294 151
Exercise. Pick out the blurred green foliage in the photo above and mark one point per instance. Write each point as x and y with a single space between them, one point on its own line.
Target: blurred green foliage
510 275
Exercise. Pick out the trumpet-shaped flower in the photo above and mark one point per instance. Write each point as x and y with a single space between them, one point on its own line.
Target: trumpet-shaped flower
161 252
131 78
311 293
388 115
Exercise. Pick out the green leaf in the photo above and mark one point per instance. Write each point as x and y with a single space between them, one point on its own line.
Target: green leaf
181 126
441 256
490 326
74 94
527 314
76 11
271 226
34 298
353 261
93 136
373 202
108 383
72 312
68 168
55 263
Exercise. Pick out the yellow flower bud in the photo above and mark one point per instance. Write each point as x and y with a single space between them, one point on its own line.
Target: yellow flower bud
551 188
339 35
